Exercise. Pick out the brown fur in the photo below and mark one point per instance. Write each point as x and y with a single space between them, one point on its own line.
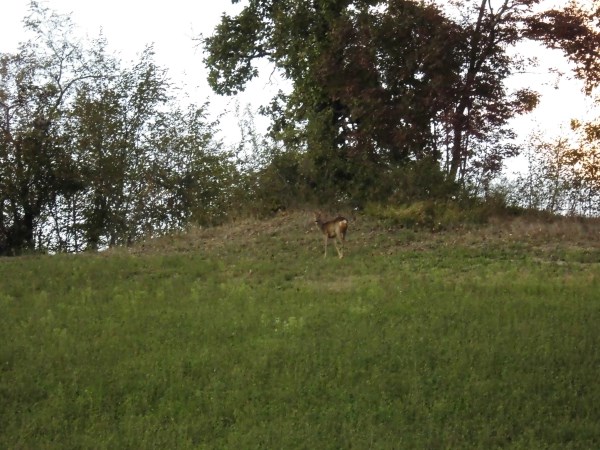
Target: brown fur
333 229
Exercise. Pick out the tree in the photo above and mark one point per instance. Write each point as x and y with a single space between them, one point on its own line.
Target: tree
547 185
357 68
574 30
149 166
585 162
483 107
36 84
94 154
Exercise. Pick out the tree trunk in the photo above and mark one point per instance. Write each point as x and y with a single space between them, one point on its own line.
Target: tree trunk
461 119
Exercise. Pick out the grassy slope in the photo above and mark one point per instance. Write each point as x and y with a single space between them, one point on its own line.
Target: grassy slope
245 337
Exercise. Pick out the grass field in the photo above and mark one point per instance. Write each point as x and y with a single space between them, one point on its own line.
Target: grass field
245 337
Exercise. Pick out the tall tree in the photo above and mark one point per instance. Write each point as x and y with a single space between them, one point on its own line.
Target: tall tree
36 84
95 154
357 67
483 105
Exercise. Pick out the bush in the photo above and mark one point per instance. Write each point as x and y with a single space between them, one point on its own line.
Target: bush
421 215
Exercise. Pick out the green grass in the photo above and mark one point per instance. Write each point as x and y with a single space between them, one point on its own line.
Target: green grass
245 337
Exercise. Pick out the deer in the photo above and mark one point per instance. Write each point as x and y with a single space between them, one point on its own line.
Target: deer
333 229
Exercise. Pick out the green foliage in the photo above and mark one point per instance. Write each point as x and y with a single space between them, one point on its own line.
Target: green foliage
281 183
425 215
247 338
290 179
377 84
421 180
94 154
359 75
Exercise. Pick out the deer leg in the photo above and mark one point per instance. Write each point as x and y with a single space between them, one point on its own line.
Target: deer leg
340 253
325 241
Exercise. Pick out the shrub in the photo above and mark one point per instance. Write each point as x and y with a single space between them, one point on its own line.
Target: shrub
420 215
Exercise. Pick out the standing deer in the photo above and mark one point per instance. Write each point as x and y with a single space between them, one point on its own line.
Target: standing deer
333 229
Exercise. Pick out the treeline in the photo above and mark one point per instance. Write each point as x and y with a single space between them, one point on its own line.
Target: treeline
392 102
94 153
562 175
396 98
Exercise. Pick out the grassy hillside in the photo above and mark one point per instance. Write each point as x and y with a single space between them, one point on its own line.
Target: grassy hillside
244 336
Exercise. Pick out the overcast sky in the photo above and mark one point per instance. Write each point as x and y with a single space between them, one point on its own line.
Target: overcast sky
130 25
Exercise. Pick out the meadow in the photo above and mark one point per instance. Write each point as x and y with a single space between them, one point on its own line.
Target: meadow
244 336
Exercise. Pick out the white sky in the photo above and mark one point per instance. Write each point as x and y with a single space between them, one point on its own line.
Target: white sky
129 25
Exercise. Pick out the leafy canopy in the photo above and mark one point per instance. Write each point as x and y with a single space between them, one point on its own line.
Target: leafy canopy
381 84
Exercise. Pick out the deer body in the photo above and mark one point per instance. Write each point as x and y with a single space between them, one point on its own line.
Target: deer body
333 229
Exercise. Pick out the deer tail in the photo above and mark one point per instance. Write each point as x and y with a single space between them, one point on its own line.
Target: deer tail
343 224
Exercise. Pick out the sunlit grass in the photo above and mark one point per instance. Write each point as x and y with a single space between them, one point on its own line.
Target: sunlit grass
411 341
